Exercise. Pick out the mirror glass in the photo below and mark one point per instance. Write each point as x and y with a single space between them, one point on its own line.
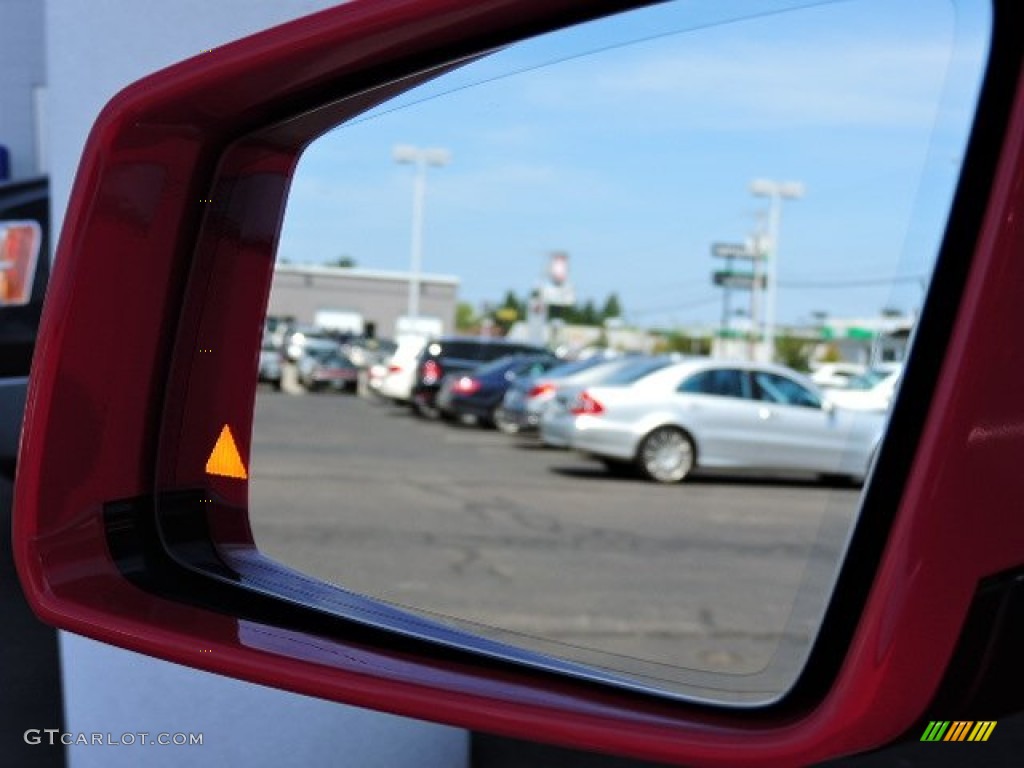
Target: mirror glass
587 346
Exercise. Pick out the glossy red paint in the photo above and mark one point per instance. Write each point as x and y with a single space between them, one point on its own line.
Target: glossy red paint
105 418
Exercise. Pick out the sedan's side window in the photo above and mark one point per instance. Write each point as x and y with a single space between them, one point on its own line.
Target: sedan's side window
779 389
724 382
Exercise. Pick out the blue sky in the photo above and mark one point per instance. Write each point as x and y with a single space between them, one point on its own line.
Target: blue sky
631 143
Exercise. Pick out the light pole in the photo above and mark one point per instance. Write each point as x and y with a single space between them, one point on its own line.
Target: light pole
776 192
420 158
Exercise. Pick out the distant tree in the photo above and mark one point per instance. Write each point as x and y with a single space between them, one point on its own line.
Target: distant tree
465 316
568 315
612 307
509 311
346 262
891 312
832 354
794 352
513 302
674 341
589 315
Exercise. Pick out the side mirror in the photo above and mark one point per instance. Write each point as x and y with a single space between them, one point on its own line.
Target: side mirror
132 498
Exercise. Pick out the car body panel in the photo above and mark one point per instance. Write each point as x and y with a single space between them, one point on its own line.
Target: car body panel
454 355
557 423
526 411
331 371
836 375
877 398
728 431
398 382
270 366
491 382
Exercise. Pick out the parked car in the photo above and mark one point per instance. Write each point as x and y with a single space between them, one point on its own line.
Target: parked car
365 352
836 375
479 392
528 397
453 354
557 421
271 364
327 369
397 383
874 391
301 338
371 356
723 414
375 376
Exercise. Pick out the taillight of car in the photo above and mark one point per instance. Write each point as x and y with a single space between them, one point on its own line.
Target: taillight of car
394 368
539 390
431 373
466 385
586 405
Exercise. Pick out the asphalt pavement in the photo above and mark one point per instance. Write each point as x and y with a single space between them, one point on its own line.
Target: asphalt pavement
545 546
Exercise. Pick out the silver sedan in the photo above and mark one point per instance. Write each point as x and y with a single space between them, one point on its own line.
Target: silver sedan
716 414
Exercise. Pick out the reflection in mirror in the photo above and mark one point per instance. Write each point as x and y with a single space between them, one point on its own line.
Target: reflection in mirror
516 306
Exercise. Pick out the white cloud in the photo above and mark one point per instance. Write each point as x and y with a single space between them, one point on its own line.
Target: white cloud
746 84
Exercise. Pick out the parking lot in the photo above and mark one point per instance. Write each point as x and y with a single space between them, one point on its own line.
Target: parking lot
475 524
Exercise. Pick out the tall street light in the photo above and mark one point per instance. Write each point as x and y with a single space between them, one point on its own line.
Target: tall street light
420 158
776 192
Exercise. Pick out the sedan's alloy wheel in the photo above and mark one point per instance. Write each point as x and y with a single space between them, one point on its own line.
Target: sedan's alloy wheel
666 455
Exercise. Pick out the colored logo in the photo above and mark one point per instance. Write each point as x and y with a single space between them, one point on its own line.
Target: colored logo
958 730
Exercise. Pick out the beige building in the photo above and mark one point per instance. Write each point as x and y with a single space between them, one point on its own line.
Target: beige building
299 292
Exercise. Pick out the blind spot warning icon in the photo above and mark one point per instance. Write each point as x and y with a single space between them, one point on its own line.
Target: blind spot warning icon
225 460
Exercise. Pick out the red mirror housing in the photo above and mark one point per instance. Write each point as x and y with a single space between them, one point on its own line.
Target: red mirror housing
149 345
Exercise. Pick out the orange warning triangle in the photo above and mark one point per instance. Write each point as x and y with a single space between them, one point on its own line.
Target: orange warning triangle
224 458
